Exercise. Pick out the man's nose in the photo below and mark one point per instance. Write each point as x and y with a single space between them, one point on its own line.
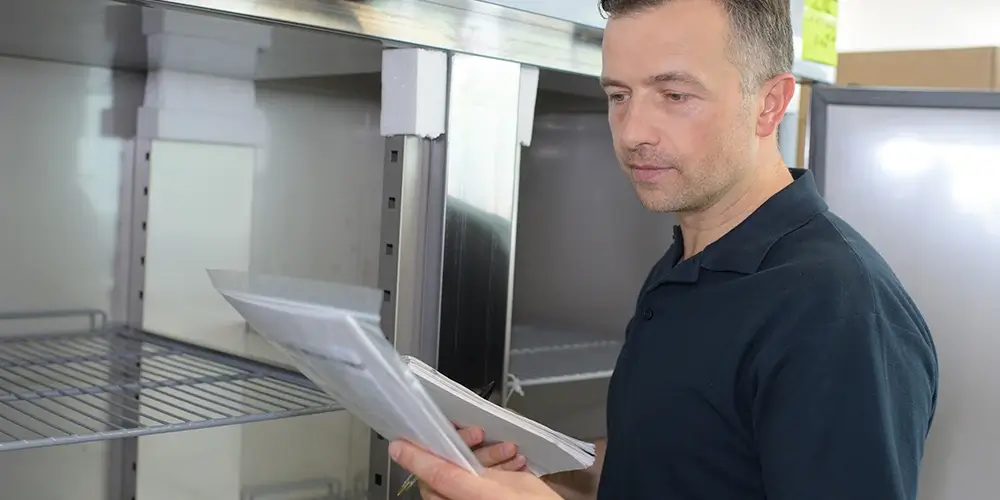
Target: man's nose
637 127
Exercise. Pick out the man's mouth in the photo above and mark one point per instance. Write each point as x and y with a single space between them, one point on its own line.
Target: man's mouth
647 173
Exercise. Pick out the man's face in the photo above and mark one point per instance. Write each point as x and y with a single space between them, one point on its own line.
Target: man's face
682 130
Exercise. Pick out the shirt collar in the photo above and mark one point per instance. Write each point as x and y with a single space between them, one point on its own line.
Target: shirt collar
742 250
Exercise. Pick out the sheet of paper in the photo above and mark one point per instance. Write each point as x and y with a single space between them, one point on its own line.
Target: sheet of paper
327 337
819 31
547 451
331 333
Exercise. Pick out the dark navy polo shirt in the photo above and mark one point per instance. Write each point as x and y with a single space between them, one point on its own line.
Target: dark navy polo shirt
783 362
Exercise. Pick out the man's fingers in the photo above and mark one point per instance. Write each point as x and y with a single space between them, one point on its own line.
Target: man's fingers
426 493
496 454
516 464
447 479
473 436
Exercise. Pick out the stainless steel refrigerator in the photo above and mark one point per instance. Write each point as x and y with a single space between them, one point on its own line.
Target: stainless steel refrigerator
918 174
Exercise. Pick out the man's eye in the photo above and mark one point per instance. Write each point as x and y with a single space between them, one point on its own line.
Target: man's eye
616 98
675 97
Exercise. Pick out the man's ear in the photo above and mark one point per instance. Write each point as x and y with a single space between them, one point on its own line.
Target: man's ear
776 93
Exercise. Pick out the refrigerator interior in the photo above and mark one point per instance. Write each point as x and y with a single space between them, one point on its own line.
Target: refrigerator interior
584 246
917 174
72 77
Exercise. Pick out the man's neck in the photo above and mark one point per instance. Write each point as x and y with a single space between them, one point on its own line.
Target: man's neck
705 227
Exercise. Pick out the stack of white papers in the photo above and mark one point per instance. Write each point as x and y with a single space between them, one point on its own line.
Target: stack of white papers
546 450
331 333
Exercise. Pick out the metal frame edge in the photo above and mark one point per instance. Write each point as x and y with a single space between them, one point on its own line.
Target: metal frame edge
824 96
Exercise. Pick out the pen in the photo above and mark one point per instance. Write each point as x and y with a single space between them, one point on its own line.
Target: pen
412 480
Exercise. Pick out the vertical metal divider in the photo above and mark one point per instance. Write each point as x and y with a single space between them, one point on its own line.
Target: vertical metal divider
378 455
123 464
425 346
446 266
409 270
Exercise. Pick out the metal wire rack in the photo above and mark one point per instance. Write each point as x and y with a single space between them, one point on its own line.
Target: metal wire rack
544 356
115 382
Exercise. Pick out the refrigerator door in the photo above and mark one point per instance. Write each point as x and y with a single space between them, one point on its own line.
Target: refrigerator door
918 174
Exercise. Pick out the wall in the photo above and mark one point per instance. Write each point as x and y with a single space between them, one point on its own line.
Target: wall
580 229
63 137
317 214
63 133
866 25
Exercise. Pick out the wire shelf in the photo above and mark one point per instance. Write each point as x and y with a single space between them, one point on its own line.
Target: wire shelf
543 356
118 382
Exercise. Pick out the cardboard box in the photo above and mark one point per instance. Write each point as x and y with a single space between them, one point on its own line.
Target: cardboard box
974 68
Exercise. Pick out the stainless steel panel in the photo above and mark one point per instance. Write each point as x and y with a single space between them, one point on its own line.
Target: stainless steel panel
107 33
453 25
585 12
923 185
585 243
482 173
468 26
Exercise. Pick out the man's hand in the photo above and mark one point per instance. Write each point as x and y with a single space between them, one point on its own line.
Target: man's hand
442 480
502 456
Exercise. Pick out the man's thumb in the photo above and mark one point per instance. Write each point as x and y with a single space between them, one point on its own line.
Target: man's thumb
447 479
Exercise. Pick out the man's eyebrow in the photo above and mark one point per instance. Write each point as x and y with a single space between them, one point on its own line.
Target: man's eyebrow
676 77
611 82
668 77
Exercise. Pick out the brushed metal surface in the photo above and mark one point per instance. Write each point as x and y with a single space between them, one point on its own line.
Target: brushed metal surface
585 243
109 34
455 25
466 26
480 213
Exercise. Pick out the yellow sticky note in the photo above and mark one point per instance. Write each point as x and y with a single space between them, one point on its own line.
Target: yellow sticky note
819 31
823 6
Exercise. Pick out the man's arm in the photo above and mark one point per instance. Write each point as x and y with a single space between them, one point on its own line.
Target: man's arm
843 409
579 484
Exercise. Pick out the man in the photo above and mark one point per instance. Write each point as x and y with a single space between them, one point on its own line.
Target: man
773 354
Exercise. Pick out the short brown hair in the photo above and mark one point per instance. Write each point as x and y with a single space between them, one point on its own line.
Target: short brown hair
761 34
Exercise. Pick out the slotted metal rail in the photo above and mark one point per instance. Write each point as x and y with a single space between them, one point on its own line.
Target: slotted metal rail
115 382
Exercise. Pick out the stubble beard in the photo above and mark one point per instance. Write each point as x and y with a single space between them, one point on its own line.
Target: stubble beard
691 188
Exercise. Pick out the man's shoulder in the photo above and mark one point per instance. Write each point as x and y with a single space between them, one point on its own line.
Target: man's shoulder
843 298
836 273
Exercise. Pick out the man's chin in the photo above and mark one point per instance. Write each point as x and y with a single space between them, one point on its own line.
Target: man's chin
657 201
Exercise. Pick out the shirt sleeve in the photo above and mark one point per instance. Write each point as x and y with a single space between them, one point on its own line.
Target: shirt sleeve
844 410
